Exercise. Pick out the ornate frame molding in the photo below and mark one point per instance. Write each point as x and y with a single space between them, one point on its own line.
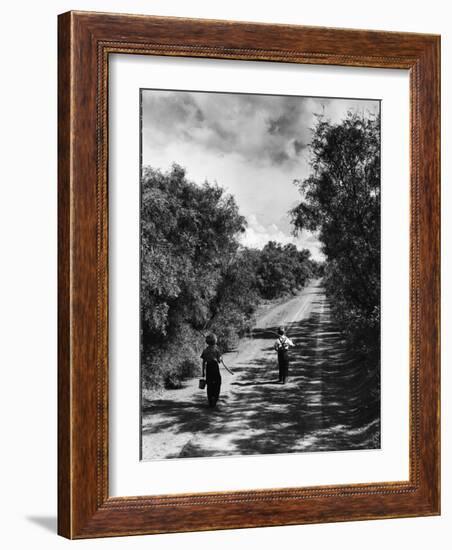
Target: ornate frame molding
85 42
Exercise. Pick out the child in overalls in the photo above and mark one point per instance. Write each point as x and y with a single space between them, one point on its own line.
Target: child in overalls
281 346
211 359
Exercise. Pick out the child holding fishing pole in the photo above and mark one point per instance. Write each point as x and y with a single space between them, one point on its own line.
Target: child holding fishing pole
281 346
211 359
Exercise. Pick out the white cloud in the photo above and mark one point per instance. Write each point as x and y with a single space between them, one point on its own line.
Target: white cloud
257 235
262 129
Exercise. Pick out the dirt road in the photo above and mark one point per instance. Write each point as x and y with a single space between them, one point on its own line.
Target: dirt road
325 404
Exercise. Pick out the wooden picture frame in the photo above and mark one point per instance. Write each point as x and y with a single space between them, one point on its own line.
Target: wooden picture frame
86 40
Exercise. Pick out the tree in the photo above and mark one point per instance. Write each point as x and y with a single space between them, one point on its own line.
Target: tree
282 269
236 299
341 200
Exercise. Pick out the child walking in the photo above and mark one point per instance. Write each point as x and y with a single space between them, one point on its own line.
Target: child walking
211 359
281 346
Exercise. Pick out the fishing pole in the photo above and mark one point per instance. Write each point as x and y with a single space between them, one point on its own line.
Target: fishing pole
272 332
275 333
224 365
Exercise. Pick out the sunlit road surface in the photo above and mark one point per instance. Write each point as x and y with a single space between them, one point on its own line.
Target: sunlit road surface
324 406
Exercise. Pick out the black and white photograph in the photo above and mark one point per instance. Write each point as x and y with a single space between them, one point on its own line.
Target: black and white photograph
259 274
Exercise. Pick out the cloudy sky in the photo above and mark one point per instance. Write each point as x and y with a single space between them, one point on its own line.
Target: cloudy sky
252 145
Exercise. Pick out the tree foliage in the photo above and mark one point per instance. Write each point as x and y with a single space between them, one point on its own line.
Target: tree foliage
341 200
187 236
